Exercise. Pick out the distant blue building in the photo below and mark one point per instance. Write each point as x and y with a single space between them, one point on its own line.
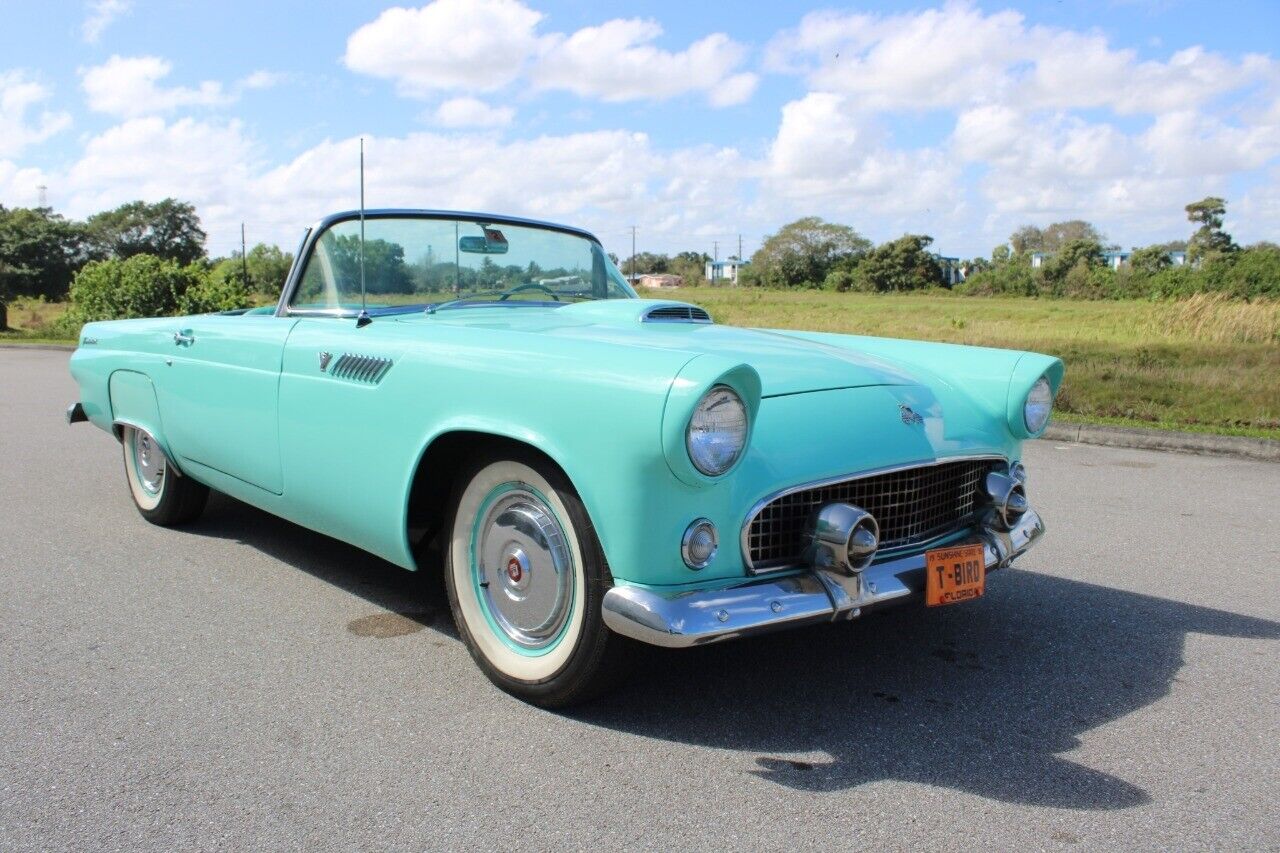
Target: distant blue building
726 270
952 272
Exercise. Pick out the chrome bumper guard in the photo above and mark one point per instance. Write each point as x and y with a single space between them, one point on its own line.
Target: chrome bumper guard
696 617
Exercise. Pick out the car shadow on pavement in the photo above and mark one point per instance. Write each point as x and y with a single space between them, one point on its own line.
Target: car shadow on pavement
982 698
412 600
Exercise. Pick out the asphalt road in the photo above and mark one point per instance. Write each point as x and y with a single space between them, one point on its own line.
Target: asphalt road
247 683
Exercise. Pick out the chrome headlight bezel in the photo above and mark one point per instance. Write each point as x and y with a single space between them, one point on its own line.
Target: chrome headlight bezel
1038 406
700 442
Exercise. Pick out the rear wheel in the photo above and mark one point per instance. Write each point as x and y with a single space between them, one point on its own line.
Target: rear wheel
526 576
161 495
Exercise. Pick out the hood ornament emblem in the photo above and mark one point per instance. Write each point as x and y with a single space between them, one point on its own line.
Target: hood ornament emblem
909 415
325 358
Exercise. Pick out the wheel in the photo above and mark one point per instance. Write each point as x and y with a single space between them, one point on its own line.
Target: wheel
525 577
161 496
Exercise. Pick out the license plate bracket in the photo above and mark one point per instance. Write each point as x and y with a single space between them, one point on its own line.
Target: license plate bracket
954 574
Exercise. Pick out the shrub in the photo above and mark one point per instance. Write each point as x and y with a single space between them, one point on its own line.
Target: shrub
214 292
839 280
139 286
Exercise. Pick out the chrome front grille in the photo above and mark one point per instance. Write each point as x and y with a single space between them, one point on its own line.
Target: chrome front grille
911 505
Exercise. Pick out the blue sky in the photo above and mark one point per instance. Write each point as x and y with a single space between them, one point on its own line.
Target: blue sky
693 121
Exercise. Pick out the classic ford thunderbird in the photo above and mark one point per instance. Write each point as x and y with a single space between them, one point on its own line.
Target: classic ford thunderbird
590 467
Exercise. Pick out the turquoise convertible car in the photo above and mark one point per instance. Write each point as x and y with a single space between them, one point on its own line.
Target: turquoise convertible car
593 468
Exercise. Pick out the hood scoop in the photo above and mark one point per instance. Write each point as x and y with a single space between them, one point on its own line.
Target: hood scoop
675 313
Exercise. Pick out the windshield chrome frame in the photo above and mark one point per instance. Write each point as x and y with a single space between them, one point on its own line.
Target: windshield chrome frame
316 231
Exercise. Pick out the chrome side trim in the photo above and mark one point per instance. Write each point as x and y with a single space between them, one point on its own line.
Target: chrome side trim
360 368
744 542
696 617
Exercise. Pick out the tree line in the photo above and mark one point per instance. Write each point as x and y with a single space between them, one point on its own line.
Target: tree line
1072 262
140 259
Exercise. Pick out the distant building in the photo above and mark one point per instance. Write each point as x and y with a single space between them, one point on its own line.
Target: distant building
726 270
952 272
659 280
1038 259
1178 259
1115 260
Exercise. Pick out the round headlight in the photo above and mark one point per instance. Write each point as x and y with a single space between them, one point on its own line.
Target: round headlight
1039 405
717 431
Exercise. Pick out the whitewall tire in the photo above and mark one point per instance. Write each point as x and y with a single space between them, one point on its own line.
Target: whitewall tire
161 494
526 576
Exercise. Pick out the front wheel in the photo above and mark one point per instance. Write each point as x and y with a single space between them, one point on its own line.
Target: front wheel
161 495
526 575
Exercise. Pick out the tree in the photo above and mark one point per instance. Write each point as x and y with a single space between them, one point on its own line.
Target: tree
1149 260
39 253
646 262
1084 253
803 252
268 267
1209 241
903 264
1054 236
690 266
167 229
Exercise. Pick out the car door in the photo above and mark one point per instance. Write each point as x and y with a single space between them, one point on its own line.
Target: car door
220 394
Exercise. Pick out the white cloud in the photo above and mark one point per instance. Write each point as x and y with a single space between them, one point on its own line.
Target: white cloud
127 86
484 45
472 112
617 61
18 95
207 163
477 45
101 14
826 153
957 56
261 79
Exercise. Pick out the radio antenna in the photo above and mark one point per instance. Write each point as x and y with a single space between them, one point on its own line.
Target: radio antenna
364 319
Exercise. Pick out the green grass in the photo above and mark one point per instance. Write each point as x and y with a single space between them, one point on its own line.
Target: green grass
1201 365
1204 365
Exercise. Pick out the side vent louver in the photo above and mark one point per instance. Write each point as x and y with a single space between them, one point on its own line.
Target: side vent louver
677 314
360 368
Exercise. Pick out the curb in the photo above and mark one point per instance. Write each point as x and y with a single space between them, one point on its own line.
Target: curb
1238 447
55 347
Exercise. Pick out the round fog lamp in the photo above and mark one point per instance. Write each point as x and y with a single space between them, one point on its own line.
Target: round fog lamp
698 547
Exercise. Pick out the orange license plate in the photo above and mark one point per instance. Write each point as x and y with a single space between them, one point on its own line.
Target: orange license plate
954 574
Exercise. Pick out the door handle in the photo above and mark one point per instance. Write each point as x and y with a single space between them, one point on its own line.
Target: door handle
184 338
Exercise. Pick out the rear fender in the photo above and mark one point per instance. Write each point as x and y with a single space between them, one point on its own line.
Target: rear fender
134 404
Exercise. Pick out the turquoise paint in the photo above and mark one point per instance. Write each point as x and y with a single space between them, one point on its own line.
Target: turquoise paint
603 394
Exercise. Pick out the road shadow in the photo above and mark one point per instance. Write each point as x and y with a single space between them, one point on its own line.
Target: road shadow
412 598
982 698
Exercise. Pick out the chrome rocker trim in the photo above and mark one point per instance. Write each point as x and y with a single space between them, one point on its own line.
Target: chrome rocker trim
697 617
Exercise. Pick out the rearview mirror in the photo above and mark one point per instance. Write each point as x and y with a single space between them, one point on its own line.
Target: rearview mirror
492 243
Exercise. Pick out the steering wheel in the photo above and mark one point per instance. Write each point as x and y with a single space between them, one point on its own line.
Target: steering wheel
530 285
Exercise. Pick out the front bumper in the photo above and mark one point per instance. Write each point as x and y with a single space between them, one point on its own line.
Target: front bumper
693 618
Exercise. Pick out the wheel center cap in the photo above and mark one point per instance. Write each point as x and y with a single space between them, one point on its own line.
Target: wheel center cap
516 572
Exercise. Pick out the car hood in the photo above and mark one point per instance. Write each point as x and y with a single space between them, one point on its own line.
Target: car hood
786 365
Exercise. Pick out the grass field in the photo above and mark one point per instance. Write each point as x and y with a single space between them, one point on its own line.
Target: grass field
1202 364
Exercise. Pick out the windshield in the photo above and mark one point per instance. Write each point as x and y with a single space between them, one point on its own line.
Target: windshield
414 262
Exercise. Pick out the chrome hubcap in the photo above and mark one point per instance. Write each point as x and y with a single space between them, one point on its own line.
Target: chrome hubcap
148 461
524 569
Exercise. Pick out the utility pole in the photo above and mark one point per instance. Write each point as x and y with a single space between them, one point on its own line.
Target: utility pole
633 254
44 195
739 248
715 250
244 259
